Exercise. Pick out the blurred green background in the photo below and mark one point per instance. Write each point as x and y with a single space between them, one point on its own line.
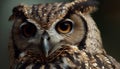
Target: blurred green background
107 18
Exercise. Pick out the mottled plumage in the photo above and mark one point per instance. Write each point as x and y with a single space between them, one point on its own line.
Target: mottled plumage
57 36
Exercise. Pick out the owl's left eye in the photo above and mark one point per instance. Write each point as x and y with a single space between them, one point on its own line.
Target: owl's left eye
64 27
28 29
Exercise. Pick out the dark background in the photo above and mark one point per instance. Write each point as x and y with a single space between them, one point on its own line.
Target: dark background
107 18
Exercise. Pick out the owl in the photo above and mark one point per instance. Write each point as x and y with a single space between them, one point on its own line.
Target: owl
57 36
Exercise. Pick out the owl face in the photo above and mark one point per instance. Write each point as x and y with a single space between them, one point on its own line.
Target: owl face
42 30
47 37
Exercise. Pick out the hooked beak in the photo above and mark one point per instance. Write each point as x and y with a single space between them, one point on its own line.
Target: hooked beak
45 44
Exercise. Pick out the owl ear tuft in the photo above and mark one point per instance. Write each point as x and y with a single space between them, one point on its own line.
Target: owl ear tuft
17 12
84 6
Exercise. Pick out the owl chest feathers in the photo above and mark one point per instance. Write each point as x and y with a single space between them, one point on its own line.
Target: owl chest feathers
67 58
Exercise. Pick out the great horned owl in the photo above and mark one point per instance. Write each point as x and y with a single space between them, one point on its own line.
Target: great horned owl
57 36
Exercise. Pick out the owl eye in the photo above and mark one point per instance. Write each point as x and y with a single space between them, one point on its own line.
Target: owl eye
64 27
28 29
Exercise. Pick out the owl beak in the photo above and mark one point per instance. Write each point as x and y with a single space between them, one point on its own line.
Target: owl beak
45 44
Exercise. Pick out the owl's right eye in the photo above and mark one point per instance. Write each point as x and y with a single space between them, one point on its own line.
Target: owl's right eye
28 29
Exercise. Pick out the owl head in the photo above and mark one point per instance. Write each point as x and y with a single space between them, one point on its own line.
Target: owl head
44 29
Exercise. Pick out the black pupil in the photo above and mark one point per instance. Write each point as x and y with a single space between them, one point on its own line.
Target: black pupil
65 25
28 30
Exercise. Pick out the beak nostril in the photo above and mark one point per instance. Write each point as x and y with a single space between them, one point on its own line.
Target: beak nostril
45 35
48 38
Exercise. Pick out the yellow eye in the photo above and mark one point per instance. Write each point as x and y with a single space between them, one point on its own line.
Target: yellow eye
28 29
64 27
